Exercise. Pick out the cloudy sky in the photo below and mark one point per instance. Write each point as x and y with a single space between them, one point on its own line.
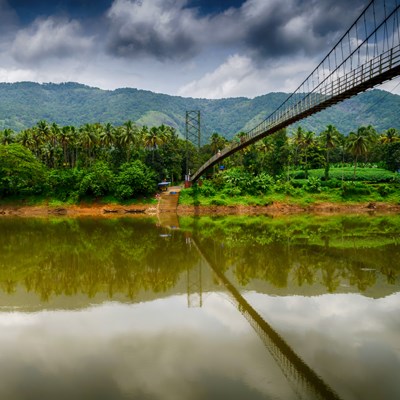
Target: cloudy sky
192 48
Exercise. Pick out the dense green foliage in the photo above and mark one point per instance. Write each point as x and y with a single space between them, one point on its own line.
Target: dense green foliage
305 167
69 163
92 161
20 171
23 104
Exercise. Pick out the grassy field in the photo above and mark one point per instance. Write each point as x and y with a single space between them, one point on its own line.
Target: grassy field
371 185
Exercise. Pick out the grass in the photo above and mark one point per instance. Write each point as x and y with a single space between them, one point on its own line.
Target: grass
375 185
40 200
347 173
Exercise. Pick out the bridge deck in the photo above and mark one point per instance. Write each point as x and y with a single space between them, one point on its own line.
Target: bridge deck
368 64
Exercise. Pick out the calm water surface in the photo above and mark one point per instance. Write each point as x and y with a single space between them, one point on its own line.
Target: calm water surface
227 307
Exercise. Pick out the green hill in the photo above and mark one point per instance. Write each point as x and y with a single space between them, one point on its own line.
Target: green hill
23 104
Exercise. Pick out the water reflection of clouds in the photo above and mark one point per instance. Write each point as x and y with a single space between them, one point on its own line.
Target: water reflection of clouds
154 350
351 340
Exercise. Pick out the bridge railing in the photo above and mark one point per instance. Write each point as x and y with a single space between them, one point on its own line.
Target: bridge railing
356 69
356 81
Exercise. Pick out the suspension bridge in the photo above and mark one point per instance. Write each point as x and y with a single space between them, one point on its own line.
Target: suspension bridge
367 55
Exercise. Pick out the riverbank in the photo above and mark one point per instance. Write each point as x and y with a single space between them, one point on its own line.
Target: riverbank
78 210
276 208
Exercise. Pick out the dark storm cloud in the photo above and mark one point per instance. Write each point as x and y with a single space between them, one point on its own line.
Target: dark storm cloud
50 38
167 29
8 17
29 10
281 28
163 29
206 7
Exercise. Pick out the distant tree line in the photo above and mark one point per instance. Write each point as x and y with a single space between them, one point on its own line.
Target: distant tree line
307 150
127 161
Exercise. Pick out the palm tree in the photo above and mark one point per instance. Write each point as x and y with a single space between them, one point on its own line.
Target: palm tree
129 136
53 139
88 138
390 136
43 130
107 135
65 137
308 141
165 132
217 142
25 137
359 143
74 144
7 137
153 139
298 142
265 146
329 138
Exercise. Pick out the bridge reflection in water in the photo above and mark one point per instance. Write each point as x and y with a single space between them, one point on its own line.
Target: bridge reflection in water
304 381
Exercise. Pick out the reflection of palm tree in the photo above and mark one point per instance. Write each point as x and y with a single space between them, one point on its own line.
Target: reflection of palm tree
330 277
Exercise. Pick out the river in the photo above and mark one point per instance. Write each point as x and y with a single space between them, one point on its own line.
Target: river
240 307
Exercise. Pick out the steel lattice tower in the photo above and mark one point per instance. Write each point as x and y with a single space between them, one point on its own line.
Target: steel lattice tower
193 135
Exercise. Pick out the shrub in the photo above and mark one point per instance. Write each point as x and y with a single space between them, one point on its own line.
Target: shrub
357 188
218 201
385 190
313 185
207 189
20 171
64 184
134 179
362 174
99 180
283 187
263 182
238 178
233 192
298 174
332 183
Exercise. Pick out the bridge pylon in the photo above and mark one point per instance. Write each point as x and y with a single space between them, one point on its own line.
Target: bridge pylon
193 135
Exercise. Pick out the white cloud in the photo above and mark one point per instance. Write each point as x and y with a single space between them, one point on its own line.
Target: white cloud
50 38
16 75
240 76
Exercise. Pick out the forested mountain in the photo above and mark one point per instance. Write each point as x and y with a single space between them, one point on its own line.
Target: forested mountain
23 104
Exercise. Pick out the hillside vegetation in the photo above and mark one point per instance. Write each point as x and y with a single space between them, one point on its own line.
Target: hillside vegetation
23 104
